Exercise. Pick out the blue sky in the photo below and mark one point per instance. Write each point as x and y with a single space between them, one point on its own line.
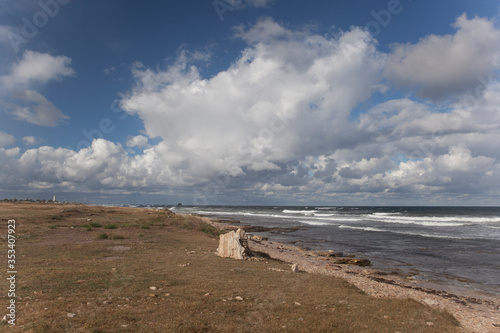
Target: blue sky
251 101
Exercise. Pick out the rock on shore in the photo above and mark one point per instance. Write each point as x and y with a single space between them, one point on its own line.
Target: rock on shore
233 245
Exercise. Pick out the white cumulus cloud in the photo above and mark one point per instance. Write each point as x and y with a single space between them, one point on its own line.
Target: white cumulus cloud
139 141
6 139
30 140
19 97
279 122
285 97
37 67
438 66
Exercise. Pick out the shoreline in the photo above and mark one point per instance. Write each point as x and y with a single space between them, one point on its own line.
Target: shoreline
476 312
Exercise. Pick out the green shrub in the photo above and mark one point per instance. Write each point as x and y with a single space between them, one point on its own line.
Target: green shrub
103 236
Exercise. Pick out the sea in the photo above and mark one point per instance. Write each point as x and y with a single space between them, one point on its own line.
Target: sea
456 249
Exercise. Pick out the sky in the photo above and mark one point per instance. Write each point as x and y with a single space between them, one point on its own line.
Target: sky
251 102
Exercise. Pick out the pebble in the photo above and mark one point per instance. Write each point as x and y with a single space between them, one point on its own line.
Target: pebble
208 294
168 294
238 298
153 288
71 315
430 323
297 303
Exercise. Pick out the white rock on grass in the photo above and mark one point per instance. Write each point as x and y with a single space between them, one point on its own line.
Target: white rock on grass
230 245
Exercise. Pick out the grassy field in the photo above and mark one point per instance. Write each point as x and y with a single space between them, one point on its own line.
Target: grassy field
96 269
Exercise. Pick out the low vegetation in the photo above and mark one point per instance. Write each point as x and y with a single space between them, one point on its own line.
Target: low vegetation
157 272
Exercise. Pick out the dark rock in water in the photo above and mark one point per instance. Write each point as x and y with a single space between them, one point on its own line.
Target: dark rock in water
352 261
179 204
329 254
226 221
250 228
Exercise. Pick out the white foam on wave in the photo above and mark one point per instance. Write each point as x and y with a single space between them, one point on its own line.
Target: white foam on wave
315 223
437 219
492 227
305 212
362 228
405 232
386 214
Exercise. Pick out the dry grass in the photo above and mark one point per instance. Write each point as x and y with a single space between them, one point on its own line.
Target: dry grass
63 268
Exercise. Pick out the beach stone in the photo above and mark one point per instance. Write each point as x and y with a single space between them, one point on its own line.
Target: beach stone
238 298
325 254
431 302
257 238
71 315
295 268
233 245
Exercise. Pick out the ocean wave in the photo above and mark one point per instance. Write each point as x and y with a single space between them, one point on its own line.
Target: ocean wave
362 228
462 219
408 233
316 223
386 214
305 212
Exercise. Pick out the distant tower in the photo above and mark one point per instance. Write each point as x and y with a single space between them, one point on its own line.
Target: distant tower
54 198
